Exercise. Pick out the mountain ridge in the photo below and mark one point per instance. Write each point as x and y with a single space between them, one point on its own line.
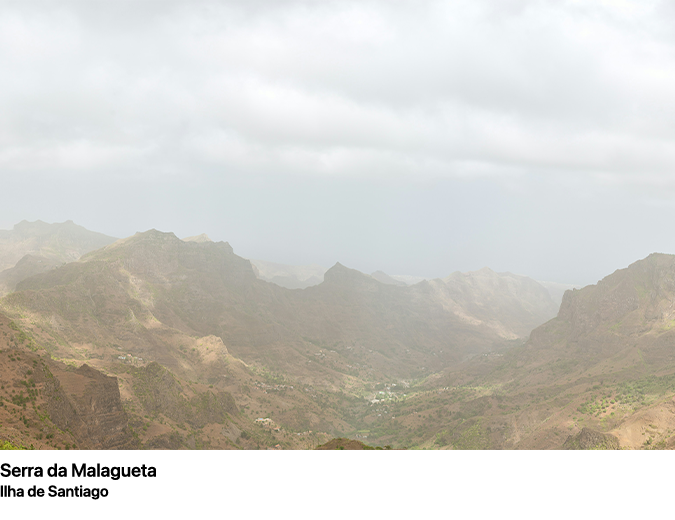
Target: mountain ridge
64 242
315 360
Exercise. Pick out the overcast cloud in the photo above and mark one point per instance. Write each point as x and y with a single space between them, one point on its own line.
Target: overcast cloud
414 137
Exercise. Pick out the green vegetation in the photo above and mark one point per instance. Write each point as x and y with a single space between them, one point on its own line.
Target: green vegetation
7 445
472 438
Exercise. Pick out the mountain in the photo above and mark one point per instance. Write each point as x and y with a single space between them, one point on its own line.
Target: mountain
202 348
204 288
58 243
600 375
143 300
511 304
628 309
618 334
28 266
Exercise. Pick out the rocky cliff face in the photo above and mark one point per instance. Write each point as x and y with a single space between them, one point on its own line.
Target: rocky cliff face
632 300
87 403
57 405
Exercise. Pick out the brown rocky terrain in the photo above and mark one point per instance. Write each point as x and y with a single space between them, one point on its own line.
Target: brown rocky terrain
588 439
87 403
47 404
345 444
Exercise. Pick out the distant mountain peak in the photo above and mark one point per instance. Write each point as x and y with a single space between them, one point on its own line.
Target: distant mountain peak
154 233
154 238
58 242
40 224
198 238
344 275
339 272
27 223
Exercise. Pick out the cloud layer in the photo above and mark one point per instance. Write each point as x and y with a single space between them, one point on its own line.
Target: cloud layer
339 88
535 97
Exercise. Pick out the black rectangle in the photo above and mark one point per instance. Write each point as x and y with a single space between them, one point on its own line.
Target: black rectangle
82 481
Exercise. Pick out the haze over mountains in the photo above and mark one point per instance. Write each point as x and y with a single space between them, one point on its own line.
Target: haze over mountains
301 277
195 347
289 276
34 247
63 243
204 287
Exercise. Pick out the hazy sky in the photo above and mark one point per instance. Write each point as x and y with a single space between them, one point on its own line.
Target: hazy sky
416 137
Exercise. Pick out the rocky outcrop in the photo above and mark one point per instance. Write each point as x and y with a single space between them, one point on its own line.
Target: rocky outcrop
589 439
646 286
87 403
